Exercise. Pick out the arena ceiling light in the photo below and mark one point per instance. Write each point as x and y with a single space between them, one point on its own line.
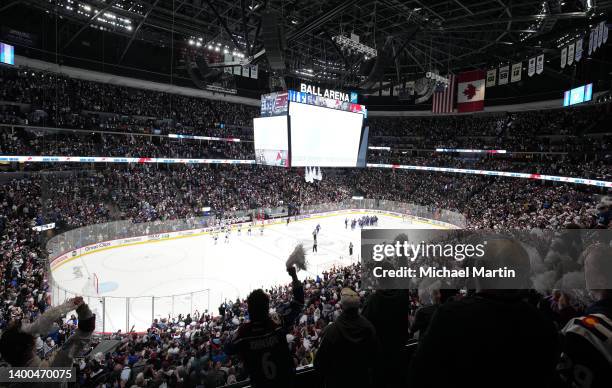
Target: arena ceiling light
212 46
254 5
379 148
354 46
89 11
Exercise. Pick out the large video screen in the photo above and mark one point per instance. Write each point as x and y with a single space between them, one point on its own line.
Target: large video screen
274 104
324 137
7 54
271 140
578 95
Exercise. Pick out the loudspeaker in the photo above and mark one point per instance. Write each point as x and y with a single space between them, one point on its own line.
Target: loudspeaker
205 71
273 38
200 74
366 67
194 77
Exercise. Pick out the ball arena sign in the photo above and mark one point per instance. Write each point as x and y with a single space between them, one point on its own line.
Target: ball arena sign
327 93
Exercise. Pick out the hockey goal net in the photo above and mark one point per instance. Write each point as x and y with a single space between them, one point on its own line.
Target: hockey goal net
91 296
407 218
92 286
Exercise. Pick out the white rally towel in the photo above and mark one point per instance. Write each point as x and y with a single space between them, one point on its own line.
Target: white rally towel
471 91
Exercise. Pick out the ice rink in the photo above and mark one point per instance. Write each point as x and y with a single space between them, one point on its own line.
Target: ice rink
201 273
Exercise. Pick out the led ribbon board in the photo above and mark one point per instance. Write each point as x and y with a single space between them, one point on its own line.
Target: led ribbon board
578 181
106 159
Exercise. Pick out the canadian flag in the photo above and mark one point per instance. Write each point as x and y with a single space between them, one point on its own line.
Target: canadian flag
471 91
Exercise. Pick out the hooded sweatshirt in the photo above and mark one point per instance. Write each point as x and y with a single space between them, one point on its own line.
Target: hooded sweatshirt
349 353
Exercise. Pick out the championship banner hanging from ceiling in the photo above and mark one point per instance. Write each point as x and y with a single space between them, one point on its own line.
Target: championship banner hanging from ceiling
601 32
570 54
531 67
591 42
563 57
517 69
503 74
579 50
605 32
491 78
540 64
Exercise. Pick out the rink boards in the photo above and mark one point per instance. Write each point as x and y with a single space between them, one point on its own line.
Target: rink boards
139 282
74 254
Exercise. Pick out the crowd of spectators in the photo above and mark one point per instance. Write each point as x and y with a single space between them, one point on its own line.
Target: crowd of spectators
574 130
37 142
30 97
548 165
148 193
34 96
47 143
190 349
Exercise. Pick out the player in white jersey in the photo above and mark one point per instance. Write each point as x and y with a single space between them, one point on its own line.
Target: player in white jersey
261 230
250 227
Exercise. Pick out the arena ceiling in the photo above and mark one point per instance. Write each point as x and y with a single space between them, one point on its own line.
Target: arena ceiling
416 36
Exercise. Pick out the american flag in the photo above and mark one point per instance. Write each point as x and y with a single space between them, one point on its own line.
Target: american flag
444 96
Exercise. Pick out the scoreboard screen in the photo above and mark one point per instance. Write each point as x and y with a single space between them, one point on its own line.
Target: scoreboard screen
325 137
578 95
7 54
271 140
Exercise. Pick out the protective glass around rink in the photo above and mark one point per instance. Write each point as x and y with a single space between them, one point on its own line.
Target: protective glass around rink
572 259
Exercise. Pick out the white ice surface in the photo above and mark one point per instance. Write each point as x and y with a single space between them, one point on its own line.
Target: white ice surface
185 267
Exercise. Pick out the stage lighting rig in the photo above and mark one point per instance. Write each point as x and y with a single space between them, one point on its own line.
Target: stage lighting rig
353 46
